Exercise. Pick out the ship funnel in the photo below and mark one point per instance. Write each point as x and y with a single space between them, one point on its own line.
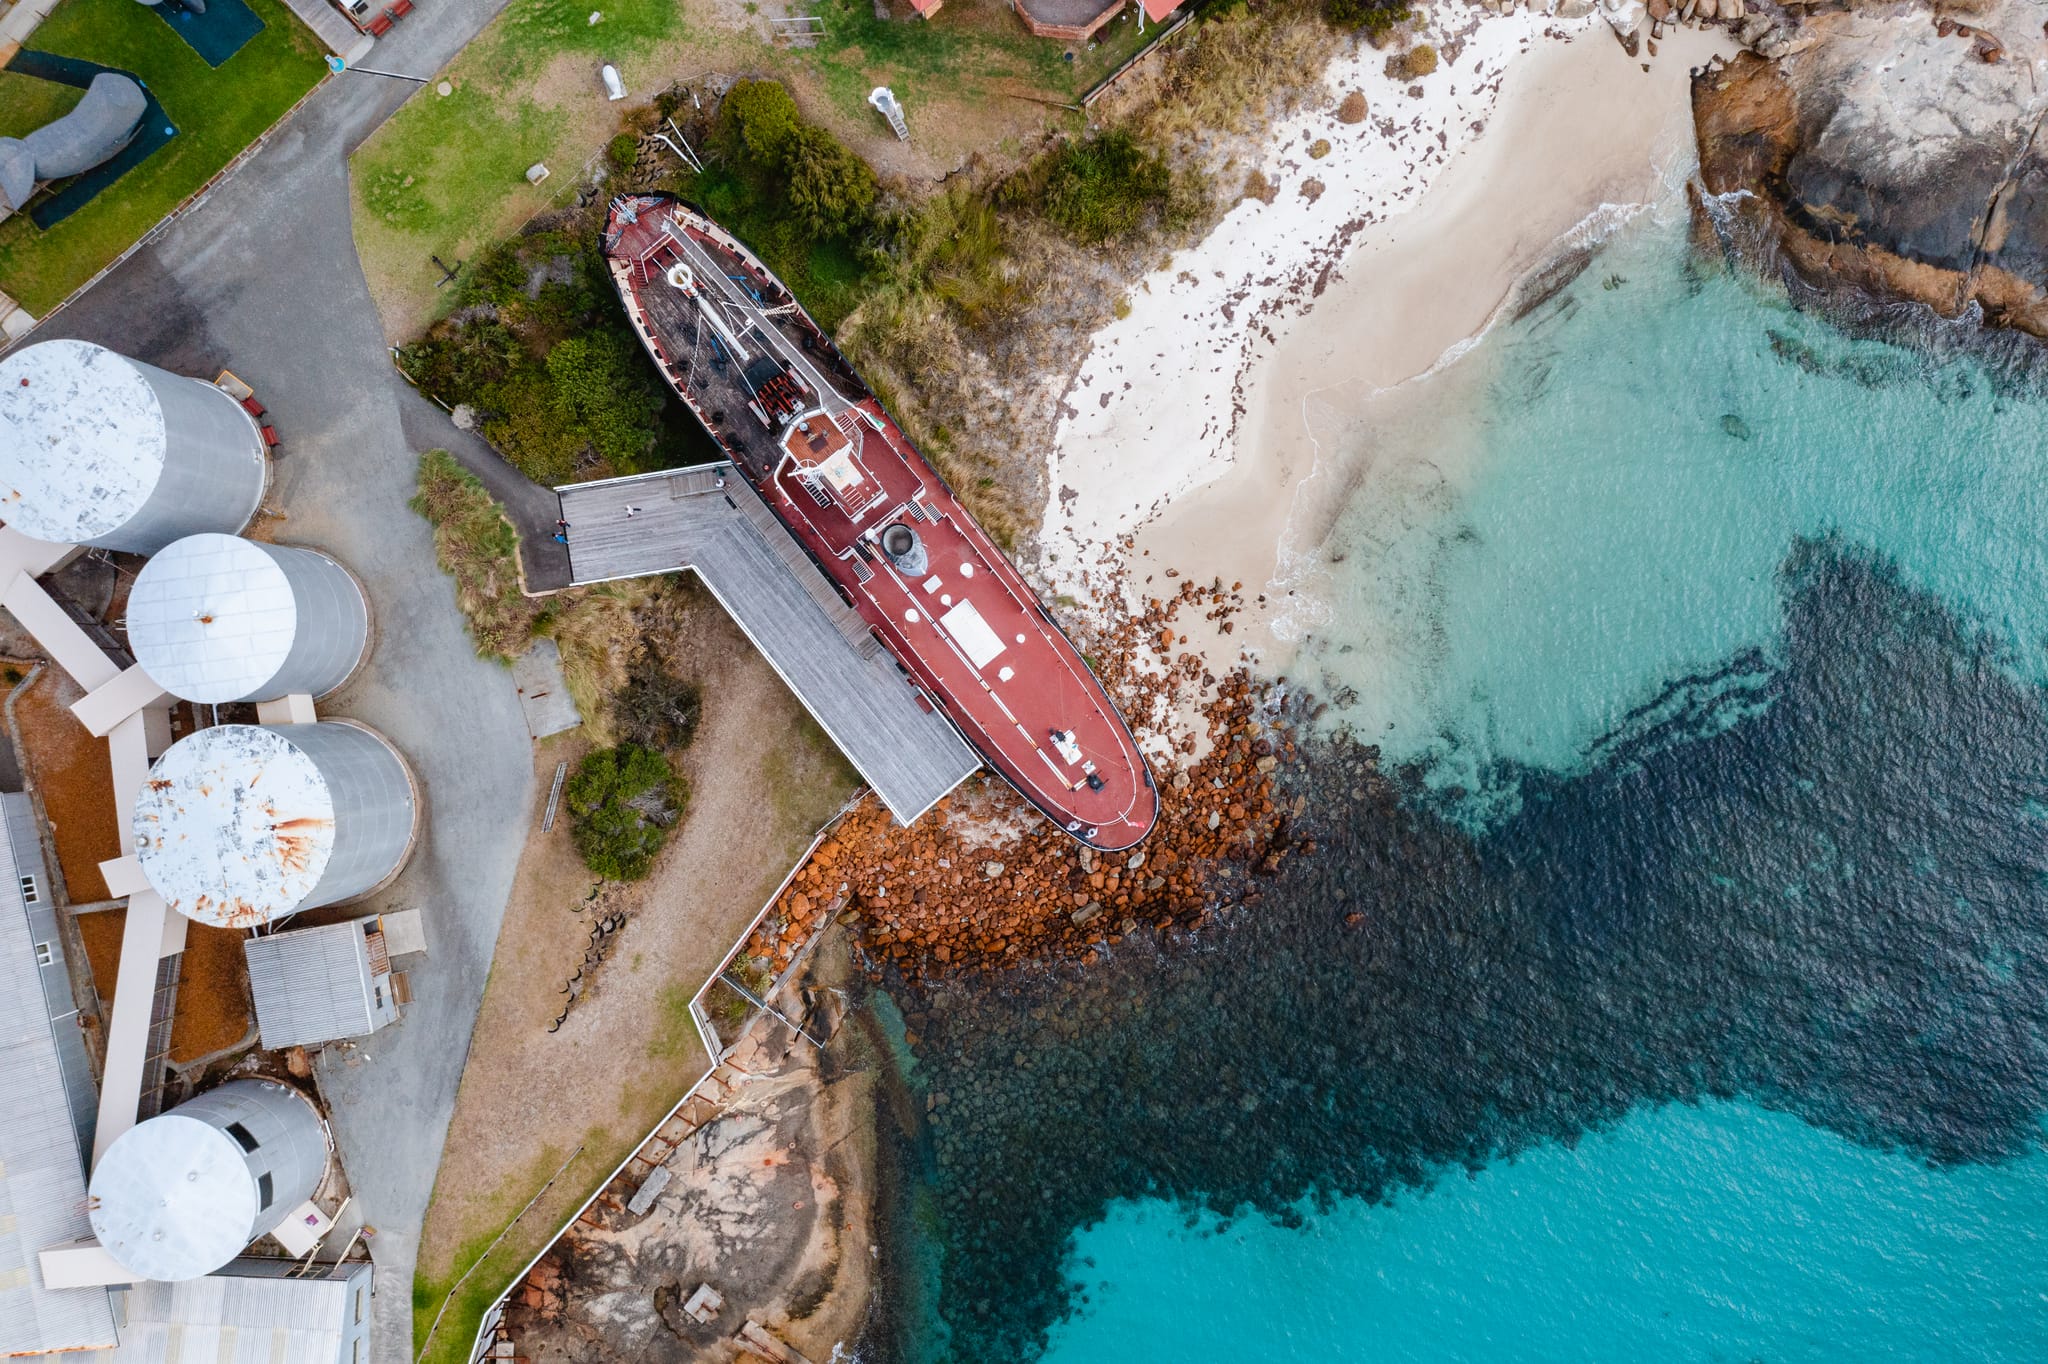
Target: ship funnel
681 276
901 544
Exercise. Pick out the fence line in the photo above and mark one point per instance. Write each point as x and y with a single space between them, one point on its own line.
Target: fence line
715 1050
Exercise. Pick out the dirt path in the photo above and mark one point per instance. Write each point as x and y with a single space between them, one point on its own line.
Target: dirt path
762 779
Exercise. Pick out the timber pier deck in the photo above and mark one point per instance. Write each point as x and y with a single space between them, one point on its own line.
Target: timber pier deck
710 520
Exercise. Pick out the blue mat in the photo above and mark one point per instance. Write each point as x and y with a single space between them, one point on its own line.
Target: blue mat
155 130
215 35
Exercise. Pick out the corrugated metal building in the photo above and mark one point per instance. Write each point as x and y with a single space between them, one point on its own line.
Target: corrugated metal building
315 985
251 1313
22 866
42 1175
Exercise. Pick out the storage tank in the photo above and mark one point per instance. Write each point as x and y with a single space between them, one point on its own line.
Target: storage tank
179 1195
218 618
241 824
98 449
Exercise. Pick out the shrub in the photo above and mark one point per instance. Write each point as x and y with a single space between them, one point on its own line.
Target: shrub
621 802
830 188
1414 64
622 152
477 546
1353 109
758 119
656 709
603 393
1370 16
526 424
1105 187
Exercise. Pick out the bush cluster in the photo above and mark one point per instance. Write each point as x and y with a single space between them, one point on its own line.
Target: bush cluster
622 803
1104 187
1371 17
540 348
830 190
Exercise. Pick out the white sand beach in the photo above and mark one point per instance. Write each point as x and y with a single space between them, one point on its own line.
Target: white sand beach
1188 435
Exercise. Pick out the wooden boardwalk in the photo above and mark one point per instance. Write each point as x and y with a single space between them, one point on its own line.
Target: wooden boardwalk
709 519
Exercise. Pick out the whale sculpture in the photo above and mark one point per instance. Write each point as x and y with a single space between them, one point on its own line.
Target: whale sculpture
95 131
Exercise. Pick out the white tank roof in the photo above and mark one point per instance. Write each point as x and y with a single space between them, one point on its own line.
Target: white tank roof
212 618
172 1199
234 826
81 441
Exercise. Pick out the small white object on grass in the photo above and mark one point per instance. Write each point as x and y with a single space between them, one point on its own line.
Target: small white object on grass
596 17
614 88
444 89
537 172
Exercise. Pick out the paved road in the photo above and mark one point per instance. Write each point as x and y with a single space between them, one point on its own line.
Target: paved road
263 278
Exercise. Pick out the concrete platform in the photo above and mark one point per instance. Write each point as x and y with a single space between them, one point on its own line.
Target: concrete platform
684 518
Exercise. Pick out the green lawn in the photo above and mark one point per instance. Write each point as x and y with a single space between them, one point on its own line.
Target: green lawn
26 103
217 112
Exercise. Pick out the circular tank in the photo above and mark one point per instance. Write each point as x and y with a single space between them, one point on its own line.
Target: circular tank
179 1195
241 824
98 449
216 618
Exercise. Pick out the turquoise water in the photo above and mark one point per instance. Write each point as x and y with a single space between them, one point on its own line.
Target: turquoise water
1718 1233
1598 500
1683 992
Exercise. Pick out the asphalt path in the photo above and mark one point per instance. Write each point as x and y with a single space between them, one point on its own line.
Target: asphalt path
262 278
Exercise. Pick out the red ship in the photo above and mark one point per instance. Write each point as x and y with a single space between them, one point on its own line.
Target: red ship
794 418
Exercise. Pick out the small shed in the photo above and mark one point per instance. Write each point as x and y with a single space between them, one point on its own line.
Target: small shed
316 985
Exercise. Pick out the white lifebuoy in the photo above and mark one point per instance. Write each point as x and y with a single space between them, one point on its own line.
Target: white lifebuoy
681 276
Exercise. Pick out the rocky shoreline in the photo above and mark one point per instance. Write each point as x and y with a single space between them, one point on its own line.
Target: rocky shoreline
1889 150
986 883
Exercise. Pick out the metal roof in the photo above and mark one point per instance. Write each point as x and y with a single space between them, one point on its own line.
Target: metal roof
42 1180
235 825
212 617
240 1316
311 985
172 1198
82 441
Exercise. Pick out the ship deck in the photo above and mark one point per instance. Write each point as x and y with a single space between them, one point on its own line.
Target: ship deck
960 619
684 519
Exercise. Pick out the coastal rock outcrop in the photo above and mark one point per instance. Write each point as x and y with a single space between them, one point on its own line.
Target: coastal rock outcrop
1893 150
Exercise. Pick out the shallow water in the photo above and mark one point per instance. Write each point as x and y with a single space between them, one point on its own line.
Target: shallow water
1701 916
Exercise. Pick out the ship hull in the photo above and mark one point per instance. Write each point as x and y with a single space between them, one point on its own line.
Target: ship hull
796 420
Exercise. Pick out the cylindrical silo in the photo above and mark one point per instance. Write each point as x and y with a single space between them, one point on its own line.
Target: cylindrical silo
218 618
241 824
179 1195
98 449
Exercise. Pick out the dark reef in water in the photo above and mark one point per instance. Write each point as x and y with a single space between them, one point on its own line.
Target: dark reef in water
1835 906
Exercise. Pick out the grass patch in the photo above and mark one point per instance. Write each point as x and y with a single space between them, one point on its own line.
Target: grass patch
672 1034
458 1327
27 103
476 545
217 112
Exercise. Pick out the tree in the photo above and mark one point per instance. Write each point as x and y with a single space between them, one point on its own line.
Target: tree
621 802
830 188
758 119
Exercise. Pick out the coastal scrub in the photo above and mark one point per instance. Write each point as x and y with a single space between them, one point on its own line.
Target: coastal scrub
622 803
